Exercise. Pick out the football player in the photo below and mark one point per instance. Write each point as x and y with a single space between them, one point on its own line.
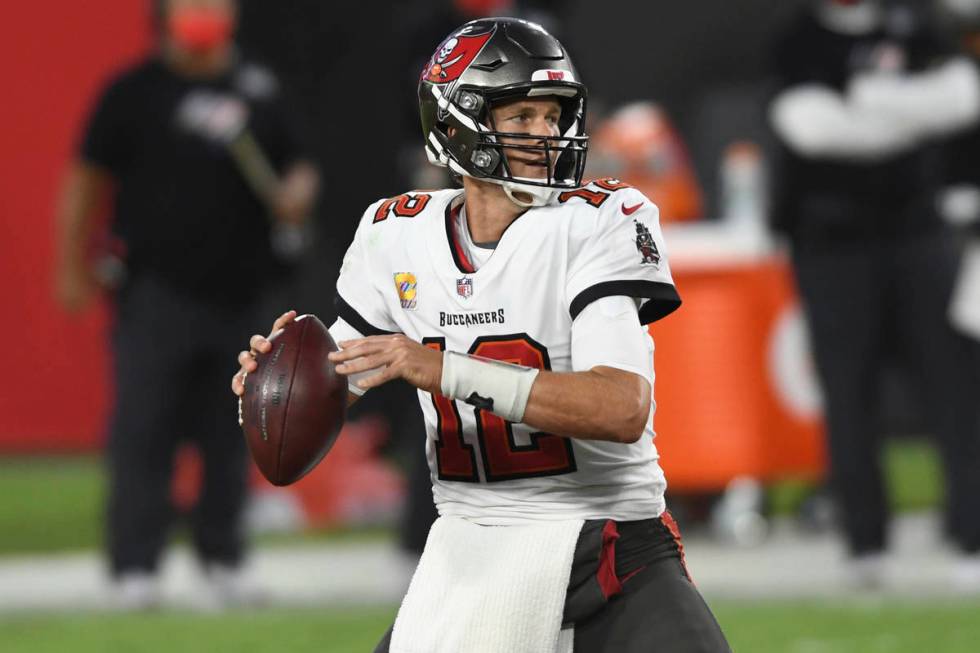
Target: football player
517 306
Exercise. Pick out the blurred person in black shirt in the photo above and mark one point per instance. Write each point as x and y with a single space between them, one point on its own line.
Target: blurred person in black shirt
960 200
866 94
200 157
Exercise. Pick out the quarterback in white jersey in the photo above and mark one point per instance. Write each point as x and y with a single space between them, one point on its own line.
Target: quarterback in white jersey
516 306
414 269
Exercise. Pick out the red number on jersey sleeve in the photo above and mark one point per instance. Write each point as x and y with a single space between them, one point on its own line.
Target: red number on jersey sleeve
405 206
503 458
594 197
611 184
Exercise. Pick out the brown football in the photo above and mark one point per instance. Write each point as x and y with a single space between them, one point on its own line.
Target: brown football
295 403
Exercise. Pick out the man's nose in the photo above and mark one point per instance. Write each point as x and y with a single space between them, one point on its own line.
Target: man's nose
542 128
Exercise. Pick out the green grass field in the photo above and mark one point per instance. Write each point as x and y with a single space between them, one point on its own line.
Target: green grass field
49 505
751 627
55 504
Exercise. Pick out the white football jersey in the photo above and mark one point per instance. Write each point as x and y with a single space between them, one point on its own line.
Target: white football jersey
406 272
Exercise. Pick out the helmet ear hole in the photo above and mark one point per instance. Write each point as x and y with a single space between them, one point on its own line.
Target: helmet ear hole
446 131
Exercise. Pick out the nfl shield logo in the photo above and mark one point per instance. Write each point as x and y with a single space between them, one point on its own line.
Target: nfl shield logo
464 287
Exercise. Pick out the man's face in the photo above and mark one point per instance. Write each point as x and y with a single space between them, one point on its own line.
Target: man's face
532 116
199 27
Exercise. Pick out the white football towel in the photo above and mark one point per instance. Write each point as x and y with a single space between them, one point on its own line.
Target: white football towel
964 307
488 589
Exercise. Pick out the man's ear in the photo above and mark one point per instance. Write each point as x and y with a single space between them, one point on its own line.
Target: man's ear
451 132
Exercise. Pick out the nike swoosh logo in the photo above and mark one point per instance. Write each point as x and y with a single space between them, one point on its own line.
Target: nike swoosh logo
630 210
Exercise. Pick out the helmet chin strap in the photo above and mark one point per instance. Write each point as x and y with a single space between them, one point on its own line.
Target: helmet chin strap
540 195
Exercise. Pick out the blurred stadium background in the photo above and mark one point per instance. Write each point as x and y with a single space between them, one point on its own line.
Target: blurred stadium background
757 525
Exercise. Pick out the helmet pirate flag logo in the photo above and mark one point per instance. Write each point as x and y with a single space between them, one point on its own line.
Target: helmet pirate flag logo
454 56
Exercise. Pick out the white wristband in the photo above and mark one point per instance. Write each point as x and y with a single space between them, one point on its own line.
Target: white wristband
501 388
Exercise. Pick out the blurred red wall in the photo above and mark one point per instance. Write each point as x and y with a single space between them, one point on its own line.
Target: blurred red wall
54 57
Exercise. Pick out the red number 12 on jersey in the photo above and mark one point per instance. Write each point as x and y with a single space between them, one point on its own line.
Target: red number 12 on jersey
503 459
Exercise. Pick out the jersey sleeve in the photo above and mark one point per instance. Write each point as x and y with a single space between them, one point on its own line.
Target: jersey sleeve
340 330
606 333
359 300
623 255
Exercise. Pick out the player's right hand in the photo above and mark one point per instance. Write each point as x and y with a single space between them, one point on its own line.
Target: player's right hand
257 344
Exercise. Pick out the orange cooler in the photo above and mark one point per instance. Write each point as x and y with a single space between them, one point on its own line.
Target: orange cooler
735 389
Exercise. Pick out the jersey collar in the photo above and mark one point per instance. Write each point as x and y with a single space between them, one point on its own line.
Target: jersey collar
462 261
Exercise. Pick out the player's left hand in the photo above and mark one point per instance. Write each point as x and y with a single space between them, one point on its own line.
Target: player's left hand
398 356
